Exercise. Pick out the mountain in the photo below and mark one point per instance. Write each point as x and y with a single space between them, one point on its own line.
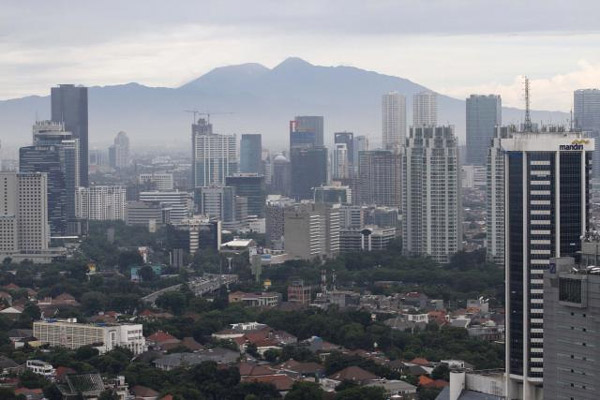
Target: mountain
247 98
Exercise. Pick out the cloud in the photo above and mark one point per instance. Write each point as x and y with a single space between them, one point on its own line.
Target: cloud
553 93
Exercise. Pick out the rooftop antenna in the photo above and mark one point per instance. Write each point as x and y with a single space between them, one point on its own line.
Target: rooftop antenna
528 125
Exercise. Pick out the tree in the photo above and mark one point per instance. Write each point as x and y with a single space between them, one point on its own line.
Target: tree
174 301
362 392
272 355
92 302
305 391
441 372
252 350
85 353
108 395
147 273
31 380
129 258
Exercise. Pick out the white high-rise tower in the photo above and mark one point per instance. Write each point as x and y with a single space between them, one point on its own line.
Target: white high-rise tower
393 123
425 109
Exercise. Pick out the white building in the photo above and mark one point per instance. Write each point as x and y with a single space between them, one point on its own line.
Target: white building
431 199
393 123
118 153
105 337
340 162
163 181
100 203
312 230
180 203
214 156
425 109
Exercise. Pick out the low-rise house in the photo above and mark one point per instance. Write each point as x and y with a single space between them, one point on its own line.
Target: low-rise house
301 369
88 386
144 393
282 383
396 388
7 365
264 299
160 339
186 360
353 374
6 298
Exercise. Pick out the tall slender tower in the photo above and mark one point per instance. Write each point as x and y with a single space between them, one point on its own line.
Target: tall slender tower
431 200
214 156
587 119
393 123
425 109
484 114
70 107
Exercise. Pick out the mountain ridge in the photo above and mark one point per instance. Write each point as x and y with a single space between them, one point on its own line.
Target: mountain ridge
257 99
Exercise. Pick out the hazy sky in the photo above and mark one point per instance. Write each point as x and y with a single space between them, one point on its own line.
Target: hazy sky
456 47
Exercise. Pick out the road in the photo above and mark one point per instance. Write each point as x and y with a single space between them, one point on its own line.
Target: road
200 286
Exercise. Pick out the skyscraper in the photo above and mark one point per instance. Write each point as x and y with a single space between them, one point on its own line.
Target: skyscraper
547 179
100 203
586 113
214 156
70 107
347 138
217 202
379 178
484 113
360 143
341 163
425 109
252 187
310 124
308 170
251 153
281 182
393 122
431 201
118 153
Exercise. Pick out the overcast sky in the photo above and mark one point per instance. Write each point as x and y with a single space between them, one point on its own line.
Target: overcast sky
455 47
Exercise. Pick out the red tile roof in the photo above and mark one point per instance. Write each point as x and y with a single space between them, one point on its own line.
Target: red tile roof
162 337
420 361
283 383
353 373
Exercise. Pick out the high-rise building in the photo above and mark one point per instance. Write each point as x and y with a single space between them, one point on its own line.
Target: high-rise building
100 203
70 107
179 203
347 138
547 177
281 183
393 122
334 194
571 330
24 213
379 178
495 192
308 170
217 202
252 187
310 126
251 153
118 153
159 181
425 109
340 162
484 114
360 143
214 156
586 113
431 200
312 230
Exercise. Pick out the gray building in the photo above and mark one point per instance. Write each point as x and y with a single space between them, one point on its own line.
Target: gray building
379 178
251 153
312 124
216 202
70 107
308 170
214 156
571 331
431 195
586 113
251 186
484 113
281 182
312 230
118 153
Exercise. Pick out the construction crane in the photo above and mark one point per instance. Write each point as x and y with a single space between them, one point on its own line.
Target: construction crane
196 113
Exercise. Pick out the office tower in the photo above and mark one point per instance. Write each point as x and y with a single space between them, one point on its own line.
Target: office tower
306 130
267 167
379 178
281 182
251 153
49 159
484 114
24 213
217 202
495 191
347 138
334 194
147 213
179 203
252 187
393 120
118 153
425 109
308 170
70 107
547 179
571 329
214 156
360 143
431 201
586 113
352 217
370 238
383 217
100 203
159 181
341 162
312 230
